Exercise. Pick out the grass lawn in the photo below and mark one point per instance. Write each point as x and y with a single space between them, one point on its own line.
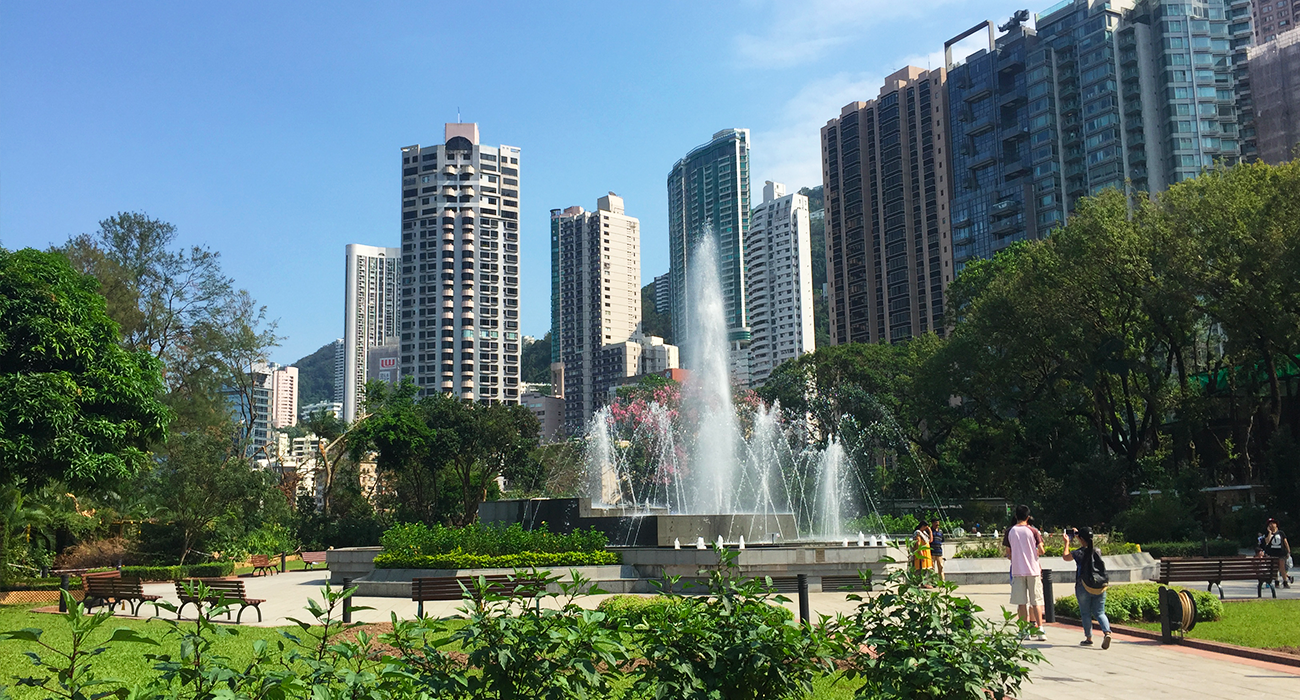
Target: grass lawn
1262 624
290 565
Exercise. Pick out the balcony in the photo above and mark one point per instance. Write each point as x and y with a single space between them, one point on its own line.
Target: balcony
1005 207
1015 132
978 92
980 125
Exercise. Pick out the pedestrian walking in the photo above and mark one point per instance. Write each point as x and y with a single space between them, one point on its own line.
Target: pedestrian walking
1024 545
1273 544
936 547
1090 582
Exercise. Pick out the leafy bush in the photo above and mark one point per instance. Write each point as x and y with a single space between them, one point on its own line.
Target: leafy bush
1158 518
489 540
212 570
40 584
270 539
463 560
884 523
1140 602
993 549
96 554
734 644
1215 548
914 638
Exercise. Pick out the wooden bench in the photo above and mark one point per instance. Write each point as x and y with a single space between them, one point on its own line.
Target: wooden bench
1215 570
220 591
108 590
262 563
310 559
455 588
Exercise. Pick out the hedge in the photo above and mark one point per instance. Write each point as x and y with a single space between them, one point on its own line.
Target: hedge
1217 548
465 560
993 550
490 540
176 573
1139 602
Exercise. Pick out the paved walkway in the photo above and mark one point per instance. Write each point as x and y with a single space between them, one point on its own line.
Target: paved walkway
1131 668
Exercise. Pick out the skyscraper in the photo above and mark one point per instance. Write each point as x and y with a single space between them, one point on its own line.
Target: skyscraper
778 281
663 293
1272 18
884 169
460 267
992 196
369 315
1123 94
1275 80
284 396
340 371
597 291
708 192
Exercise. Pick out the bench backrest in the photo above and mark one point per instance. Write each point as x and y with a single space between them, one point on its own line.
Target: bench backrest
111 587
86 578
442 587
1216 566
313 557
260 560
231 587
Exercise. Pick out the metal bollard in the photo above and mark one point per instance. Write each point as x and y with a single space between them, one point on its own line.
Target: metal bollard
1166 625
1049 606
347 602
804 616
282 569
63 587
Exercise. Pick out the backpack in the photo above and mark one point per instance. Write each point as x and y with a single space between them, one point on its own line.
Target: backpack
1095 578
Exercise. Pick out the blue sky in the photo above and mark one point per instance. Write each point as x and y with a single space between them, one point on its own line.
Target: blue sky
272 131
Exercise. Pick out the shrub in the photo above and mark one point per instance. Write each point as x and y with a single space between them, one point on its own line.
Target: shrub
983 550
993 550
488 540
270 539
914 638
40 584
213 570
463 560
1140 602
1158 518
884 523
633 610
96 554
1213 548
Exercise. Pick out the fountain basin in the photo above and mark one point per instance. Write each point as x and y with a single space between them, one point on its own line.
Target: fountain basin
829 567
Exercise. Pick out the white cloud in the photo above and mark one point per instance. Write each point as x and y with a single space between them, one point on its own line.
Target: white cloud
794 34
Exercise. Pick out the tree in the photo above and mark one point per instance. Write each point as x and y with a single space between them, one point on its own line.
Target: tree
74 405
429 445
205 479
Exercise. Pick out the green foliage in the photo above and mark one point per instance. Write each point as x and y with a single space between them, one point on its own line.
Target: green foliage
490 540
74 405
272 538
653 322
1191 548
735 643
983 549
913 638
1135 602
177 573
1158 518
535 361
633 610
316 376
463 560
885 523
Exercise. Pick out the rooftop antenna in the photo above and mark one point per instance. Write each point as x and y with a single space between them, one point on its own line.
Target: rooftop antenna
458 115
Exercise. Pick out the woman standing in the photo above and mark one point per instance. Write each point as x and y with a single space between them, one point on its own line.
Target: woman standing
921 560
1273 545
1090 583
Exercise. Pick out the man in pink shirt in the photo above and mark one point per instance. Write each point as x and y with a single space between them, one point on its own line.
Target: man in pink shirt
1024 545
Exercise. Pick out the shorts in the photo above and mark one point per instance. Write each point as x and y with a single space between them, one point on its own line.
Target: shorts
1027 590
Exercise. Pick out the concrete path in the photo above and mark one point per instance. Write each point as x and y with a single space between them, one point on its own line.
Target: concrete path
1131 668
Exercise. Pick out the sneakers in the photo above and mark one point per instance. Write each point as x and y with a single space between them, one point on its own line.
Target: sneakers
1041 635
1105 642
1086 642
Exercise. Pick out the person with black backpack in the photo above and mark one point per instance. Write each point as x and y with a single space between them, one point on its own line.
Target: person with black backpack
1090 581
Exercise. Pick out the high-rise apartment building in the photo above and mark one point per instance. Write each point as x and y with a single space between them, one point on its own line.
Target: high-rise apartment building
778 281
284 396
369 315
708 193
460 267
885 178
1275 81
597 290
1272 18
991 193
269 400
1241 36
1121 93
340 371
663 293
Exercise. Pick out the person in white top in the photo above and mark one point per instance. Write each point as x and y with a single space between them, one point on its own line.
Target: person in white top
1024 545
